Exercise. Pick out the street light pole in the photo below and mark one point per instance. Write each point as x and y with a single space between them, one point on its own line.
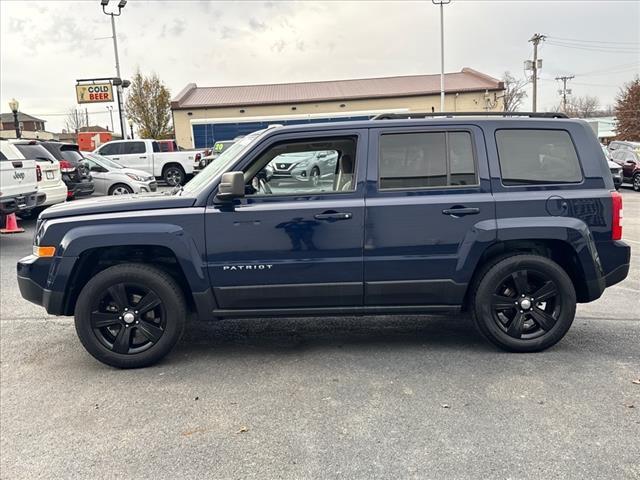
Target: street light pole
131 128
110 108
14 105
442 3
121 5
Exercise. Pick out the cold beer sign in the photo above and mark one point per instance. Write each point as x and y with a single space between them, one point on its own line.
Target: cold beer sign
94 93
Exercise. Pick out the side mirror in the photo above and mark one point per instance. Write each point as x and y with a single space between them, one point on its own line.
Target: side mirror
231 186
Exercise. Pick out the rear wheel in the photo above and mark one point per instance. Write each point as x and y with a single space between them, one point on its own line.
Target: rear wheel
524 303
173 175
130 316
636 182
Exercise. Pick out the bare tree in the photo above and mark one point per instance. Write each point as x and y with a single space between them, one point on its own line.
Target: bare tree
75 120
582 107
514 92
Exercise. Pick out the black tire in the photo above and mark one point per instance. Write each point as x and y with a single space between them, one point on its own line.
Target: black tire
636 182
31 214
314 176
501 313
173 175
99 315
120 189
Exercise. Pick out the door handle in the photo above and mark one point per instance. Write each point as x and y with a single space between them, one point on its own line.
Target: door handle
143 158
115 158
333 216
461 211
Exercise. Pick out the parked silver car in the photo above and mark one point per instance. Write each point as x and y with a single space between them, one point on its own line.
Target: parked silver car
311 167
111 178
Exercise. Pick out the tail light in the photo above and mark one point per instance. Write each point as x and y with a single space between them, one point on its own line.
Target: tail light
38 173
66 166
616 224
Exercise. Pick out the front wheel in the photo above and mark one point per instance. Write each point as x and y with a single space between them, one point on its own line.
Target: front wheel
315 176
120 189
524 303
636 182
130 315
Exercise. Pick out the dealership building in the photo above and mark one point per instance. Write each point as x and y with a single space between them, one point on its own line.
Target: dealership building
204 115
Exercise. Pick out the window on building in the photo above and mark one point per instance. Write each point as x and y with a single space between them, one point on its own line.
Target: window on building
427 159
537 157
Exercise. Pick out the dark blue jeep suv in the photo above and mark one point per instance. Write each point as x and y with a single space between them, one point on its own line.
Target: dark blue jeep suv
513 219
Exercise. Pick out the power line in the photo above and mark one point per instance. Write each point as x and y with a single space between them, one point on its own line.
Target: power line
595 49
575 40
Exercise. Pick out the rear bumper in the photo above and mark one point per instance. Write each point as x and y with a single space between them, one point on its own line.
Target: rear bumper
55 194
80 189
21 203
616 258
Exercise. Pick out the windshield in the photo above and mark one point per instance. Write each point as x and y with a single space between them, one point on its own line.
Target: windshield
104 161
220 164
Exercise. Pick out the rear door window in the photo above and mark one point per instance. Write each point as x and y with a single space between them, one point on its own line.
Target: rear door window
426 160
133 148
537 157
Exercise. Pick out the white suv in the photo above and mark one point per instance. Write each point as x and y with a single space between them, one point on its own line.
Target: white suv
18 182
48 173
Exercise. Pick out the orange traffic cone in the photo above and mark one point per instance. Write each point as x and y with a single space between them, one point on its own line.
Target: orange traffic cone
11 225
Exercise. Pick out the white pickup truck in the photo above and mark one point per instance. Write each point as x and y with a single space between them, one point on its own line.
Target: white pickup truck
173 167
18 182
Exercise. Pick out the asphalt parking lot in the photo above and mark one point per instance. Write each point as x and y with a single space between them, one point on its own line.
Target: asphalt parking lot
380 397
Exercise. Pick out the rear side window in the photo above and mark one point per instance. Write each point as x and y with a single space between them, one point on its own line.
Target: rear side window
423 160
155 146
2 157
537 157
133 148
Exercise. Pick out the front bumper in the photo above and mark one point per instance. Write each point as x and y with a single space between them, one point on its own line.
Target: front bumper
36 283
21 203
145 187
617 179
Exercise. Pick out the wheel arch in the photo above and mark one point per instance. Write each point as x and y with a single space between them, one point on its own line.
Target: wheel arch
92 249
567 241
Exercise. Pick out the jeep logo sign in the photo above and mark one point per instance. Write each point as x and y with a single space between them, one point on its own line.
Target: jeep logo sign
18 176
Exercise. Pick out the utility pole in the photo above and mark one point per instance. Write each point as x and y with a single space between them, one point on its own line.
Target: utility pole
536 39
110 108
442 3
564 91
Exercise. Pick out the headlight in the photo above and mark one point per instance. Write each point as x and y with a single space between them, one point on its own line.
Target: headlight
302 164
135 177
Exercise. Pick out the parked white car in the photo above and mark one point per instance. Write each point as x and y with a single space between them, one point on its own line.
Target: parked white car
111 178
145 155
18 182
49 175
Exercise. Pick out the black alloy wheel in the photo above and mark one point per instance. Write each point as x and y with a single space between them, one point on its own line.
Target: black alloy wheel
523 302
130 315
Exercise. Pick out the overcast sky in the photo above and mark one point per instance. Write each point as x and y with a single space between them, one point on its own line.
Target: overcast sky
46 45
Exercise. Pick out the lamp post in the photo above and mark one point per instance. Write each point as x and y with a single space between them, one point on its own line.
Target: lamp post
110 108
14 105
131 127
121 5
442 3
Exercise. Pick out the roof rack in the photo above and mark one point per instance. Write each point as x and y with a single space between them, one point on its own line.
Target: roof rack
394 116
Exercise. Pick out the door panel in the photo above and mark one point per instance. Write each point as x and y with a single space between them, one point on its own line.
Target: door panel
285 250
417 239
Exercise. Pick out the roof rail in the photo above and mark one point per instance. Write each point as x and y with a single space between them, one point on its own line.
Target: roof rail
394 116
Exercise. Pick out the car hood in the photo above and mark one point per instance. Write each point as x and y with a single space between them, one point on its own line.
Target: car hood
117 203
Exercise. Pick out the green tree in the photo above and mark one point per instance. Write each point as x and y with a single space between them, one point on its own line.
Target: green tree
628 111
149 106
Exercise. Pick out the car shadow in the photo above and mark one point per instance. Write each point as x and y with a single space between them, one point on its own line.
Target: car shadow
296 335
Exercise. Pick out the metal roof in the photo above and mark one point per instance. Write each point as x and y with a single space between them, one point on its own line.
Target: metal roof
466 80
22 117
